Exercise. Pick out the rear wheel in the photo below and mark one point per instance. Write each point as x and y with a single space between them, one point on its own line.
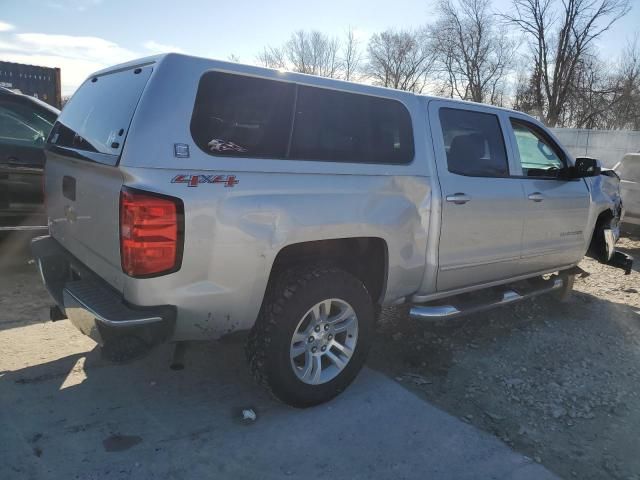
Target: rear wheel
312 335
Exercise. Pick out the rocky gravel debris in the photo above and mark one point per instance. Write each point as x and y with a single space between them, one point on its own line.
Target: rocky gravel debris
558 381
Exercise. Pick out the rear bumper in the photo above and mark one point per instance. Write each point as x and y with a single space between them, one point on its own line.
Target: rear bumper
92 305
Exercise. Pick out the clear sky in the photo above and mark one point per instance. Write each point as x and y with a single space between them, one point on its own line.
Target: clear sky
81 36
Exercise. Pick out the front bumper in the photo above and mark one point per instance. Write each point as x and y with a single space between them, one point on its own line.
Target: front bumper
92 305
621 260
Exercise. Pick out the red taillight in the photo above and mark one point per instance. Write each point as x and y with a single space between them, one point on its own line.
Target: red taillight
150 233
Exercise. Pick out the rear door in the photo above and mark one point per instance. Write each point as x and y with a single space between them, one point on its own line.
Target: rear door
83 182
557 209
483 208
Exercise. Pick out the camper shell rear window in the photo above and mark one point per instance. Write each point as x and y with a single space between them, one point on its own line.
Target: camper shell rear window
97 117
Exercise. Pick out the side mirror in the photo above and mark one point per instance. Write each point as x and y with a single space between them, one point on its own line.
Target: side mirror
586 167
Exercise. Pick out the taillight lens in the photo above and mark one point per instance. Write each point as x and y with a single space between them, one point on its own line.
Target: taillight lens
150 233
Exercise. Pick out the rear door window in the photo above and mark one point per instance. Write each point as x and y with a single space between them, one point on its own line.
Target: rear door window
235 115
97 117
474 143
346 127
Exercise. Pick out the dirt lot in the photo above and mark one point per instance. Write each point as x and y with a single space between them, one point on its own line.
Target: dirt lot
558 382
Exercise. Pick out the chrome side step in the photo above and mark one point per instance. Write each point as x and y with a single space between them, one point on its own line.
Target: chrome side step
458 306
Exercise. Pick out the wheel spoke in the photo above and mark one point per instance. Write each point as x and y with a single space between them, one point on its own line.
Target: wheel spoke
345 314
308 366
313 369
344 325
343 349
315 314
298 349
299 337
337 361
325 309
317 369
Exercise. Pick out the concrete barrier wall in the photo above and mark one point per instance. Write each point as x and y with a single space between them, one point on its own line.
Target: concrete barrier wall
608 146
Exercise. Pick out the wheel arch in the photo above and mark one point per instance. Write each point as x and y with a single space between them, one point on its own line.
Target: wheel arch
367 258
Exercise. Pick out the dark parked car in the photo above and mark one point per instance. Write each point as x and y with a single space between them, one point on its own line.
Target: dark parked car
25 123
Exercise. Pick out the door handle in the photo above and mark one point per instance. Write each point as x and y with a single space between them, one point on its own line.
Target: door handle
458 198
536 196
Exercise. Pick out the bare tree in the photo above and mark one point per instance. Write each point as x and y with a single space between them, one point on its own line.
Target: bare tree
399 60
524 96
314 53
474 54
592 97
272 57
305 52
626 110
351 57
603 95
559 39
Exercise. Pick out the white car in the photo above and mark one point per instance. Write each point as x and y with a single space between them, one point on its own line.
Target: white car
628 169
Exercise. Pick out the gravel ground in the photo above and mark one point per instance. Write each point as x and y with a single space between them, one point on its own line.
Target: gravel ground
558 381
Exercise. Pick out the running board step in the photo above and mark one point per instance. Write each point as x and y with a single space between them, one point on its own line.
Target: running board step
464 305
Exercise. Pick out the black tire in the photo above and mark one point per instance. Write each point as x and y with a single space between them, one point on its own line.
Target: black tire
288 298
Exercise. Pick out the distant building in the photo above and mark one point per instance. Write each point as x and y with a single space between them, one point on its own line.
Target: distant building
39 82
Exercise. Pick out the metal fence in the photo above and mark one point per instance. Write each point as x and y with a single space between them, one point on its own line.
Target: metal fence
608 146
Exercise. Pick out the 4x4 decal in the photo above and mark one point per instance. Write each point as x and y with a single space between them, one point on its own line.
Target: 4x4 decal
195 180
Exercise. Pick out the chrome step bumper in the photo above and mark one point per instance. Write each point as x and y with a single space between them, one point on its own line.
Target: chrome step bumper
92 305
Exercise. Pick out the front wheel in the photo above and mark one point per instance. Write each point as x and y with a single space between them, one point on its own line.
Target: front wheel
312 335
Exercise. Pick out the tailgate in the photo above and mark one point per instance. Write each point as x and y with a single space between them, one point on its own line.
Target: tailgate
82 180
83 210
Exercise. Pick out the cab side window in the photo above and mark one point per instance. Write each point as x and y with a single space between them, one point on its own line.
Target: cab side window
539 156
474 143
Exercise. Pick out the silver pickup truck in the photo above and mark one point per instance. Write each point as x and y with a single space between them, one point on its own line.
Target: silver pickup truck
188 199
